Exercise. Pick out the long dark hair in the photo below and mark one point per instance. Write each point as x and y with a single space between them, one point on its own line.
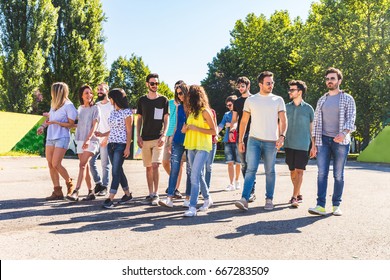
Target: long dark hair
81 91
118 95
184 89
195 100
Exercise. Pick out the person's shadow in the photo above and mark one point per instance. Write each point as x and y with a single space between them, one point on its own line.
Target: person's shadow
272 227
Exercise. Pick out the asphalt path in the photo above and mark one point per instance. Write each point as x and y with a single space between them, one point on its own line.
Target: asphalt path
31 228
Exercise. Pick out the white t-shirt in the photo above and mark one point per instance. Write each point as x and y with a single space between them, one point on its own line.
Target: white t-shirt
67 111
264 110
118 125
105 110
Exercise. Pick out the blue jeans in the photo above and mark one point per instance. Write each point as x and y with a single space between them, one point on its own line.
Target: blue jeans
209 164
339 154
254 151
243 161
177 151
115 152
105 162
197 160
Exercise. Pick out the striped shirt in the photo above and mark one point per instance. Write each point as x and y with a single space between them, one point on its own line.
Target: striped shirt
347 117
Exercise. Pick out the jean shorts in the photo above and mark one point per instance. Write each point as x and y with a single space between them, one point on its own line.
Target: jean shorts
231 153
62 143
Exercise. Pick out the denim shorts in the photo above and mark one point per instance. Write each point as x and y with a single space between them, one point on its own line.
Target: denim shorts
231 153
59 143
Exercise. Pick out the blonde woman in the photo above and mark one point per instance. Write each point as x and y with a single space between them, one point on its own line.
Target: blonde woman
60 119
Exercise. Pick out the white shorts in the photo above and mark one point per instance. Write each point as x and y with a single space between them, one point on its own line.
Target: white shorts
93 147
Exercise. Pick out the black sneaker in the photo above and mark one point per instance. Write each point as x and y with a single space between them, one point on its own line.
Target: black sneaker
125 199
177 194
300 198
108 204
166 191
98 188
103 191
90 196
74 196
147 200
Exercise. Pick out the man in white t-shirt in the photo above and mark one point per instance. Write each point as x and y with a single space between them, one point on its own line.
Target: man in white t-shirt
269 125
101 181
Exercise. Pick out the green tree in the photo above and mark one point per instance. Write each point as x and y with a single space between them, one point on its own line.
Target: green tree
257 44
26 30
130 74
353 35
77 56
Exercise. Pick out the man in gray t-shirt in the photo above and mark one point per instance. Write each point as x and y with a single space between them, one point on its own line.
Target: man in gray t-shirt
334 120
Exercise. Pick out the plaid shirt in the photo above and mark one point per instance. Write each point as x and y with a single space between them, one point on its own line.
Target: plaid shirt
346 118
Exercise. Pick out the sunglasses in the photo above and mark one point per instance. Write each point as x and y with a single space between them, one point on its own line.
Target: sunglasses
179 93
153 84
330 79
292 89
229 105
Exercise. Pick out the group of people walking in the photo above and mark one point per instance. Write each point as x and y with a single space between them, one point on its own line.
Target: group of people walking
186 129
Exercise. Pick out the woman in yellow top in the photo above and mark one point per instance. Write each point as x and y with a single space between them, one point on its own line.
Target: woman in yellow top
198 129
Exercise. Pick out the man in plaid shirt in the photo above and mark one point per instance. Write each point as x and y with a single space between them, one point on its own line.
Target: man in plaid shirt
334 120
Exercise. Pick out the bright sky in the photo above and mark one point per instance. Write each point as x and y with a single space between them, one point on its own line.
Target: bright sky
177 38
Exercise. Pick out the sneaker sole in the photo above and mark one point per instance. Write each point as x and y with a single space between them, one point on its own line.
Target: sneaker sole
316 213
241 206
108 207
124 202
164 204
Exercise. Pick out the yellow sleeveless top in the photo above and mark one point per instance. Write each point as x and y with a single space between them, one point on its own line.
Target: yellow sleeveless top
195 140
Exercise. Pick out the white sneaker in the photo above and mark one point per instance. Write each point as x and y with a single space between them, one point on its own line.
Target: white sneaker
268 204
155 199
207 204
230 187
166 202
186 203
237 185
337 211
191 212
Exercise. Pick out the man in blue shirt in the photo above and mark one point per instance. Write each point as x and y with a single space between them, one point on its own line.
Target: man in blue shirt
300 117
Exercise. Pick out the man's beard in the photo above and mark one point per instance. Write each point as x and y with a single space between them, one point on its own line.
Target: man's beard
100 97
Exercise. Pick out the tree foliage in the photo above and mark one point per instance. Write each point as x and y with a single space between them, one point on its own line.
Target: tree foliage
27 28
352 35
77 56
130 74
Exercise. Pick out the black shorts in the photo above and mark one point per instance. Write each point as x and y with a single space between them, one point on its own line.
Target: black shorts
296 159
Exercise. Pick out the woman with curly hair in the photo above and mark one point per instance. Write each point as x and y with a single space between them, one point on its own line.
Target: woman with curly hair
199 129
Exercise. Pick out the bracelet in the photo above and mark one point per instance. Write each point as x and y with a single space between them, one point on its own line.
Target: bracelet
281 135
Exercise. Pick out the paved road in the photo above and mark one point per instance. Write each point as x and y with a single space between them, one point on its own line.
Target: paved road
31 228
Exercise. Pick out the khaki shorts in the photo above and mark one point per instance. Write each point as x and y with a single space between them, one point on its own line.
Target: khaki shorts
167 148
151 152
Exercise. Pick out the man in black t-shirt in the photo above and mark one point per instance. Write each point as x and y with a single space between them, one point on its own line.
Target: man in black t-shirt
152 110
243 86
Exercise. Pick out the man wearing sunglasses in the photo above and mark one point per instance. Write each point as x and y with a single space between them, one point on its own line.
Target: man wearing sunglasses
243 86
334 120
267 134
300 117
152 110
